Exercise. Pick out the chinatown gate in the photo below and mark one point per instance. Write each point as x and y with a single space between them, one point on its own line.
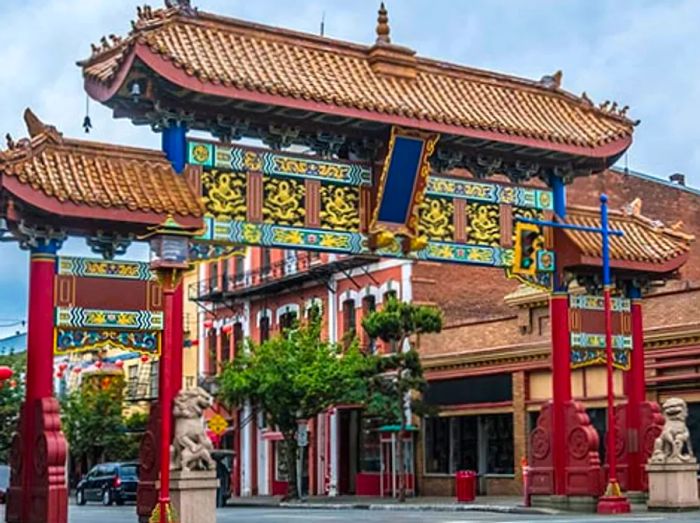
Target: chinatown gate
364 151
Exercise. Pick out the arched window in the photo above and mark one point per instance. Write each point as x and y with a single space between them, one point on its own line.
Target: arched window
369 305
264 328
226 344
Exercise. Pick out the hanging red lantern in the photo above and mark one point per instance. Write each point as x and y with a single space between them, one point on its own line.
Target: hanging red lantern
120 364
5 373
59 375
144 358
62 366
98 364
227 328
208 324
77 370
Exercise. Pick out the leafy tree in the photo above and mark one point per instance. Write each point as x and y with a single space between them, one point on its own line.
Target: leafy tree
294 375
396 382
11 397
92 420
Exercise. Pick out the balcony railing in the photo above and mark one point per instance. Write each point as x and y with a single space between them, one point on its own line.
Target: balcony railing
300 267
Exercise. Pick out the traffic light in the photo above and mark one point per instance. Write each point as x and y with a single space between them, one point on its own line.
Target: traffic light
528 243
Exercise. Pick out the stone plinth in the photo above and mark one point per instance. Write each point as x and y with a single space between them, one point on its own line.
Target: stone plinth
673 486
193 495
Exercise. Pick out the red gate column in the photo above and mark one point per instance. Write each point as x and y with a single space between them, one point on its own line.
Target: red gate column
37 492
178 339
561 385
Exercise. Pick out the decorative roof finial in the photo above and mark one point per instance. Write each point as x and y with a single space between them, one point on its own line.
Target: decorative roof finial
383 26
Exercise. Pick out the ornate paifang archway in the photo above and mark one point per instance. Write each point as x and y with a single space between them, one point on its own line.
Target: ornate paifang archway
391 136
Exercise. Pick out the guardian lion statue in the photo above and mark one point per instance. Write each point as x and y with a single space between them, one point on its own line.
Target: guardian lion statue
191 449
673 445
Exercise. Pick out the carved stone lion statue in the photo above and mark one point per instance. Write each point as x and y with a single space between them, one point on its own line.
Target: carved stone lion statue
673 445
191 449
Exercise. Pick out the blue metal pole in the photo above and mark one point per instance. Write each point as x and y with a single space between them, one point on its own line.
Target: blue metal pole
174 143
559 194
605 231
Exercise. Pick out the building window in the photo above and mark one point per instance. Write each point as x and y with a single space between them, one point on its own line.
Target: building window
211 349
287 320
483 444
390 295
133 383
349 320
224 274
239 269
369 305
214 276
153 380
437 449
265 264
237 337
226 344
264 329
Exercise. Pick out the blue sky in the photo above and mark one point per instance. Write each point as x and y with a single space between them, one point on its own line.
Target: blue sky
641 53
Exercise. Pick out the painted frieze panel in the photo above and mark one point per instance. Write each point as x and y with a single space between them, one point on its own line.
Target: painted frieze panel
224 194
483 224
80 317
340 208
436 218
587 327
94 268
306 202
284 201
82 340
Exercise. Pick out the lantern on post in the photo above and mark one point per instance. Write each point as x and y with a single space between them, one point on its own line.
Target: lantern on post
170 247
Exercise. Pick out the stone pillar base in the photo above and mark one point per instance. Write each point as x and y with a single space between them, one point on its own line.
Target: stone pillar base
582 504
193 495
673 486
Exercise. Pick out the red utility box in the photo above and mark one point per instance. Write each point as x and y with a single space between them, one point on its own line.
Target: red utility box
465 485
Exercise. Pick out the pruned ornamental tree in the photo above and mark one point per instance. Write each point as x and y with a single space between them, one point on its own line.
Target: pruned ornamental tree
396 382
294 376
91 416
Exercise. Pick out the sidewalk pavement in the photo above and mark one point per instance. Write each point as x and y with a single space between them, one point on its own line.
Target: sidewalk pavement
498 504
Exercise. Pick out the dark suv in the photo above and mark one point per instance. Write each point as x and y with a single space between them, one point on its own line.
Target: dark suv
109 483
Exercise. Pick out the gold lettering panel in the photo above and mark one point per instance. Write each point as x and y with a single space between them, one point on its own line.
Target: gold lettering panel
224 194
483 224
435 219
283 201
340 208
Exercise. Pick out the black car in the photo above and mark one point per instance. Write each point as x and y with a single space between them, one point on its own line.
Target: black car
109 483
4 482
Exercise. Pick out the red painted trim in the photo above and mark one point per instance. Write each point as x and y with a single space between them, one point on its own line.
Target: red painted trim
167 70
101 92
674 377
657 268
477 406
86 212
482 371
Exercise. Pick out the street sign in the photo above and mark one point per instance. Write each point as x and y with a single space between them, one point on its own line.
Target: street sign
217 424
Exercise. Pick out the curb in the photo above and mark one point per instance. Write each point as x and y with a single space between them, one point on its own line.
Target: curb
418 508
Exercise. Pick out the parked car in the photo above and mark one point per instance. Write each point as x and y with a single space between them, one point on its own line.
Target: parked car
4 482
109 483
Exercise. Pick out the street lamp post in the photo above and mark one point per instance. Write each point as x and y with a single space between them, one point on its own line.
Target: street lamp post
613 502
170 261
